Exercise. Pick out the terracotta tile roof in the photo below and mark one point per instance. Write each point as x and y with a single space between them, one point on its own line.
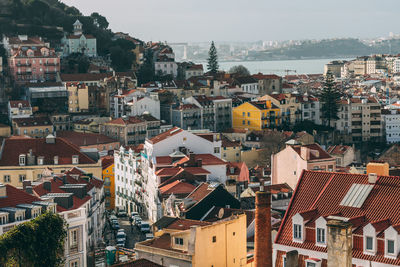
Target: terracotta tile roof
186 106
207 159
200 192
85 139
13 147
83 77
185 224
245 80
240 171
127 121
323 192
228 143
24 103
32 121
137 263
16 196
165 172
177 188
165 135
162 242
338 149
196 170
322 154
107 161
260 76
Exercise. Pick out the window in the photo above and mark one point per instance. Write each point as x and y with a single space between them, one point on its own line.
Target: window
214 239
74 263
21 160
369 243
216 149
248 114
244 122
390 246
22 177
6 178
321 235
73 238
297 231
179 241
311 264
248 122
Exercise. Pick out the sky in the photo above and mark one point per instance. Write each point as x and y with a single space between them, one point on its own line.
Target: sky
246 20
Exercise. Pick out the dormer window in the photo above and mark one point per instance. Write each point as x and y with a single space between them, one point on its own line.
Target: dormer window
298 228
40 160
178 241
321 235
75 159
320 231
55 160
297 231
22 158
369 243
389 247
391 243
313 262
369 239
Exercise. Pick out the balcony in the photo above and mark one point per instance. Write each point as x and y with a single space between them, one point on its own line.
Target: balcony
50 64
28 64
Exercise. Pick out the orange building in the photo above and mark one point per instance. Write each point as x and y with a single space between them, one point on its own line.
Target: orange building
108 178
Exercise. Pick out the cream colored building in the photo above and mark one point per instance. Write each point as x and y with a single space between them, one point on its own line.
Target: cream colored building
222 243
31 158
5 130
78 97
36 127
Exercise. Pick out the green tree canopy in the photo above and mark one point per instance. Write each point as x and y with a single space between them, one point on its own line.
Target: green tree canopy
239 70
329 99
101 20
212 65
39 242
121 60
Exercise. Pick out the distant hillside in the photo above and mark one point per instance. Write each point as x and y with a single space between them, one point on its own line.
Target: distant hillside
327 49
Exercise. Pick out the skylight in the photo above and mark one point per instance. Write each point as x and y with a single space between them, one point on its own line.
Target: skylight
356 195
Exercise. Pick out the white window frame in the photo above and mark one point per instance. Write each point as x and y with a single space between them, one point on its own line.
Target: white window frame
297 219
311 261
320 223
369 231
392 235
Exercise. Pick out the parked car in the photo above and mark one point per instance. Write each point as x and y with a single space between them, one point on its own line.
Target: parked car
134 213
138 221
121 243
121 235
115 225
145 227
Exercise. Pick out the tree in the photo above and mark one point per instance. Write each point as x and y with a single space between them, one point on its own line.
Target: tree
239 70
121 60
329 99
212 65
100 20
39 242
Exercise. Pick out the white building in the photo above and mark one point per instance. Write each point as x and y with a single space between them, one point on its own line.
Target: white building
79 42
19 109
391 123
310 109
248 84
166 66
136 183
140 105
396 65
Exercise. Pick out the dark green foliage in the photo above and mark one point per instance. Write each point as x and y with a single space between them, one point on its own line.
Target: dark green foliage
76 63
121 59
212 64
239 70
101 21
310 127
39 242
146 71
329 99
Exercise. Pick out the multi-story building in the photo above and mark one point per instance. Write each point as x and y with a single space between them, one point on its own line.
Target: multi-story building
222 113
396 65
34 64
391 124
186 116
11 43
143 104
36 127
198 243
194 71
341 219
360 117
19 109
268 83
345 155
30 158
127 130
207 113
289 106
61 122
310 108
164 63
289 163
107 164
360 66
119 102
92 142
48 97
79 42
256 115
78 97
248 84
90 125
334 67
20 205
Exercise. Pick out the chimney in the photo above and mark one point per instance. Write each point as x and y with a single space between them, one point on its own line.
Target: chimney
372 177
262 234
292 258
340 245
26 183
305 153
3 190
47 185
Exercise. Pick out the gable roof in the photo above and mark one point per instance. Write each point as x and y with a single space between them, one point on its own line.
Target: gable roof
165 135
16 196
338 149
177 188
24 103
85 139
32 121
322 154
322 194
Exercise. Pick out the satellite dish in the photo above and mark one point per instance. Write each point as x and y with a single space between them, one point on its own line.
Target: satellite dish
221 213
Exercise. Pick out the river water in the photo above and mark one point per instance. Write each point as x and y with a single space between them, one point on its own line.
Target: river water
304 66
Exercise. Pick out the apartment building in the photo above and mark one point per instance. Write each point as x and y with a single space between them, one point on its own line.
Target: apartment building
256 115
310 108
268 83
186 116
391 124
360 118
289 105
127 130
30 158
36 127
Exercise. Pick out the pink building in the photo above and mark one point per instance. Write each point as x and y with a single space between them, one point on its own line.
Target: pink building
34 63
288 164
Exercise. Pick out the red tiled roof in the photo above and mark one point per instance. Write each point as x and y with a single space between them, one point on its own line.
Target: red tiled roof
165 172
338 149
209 159
177 188
16 196
83 77
165 135
185 224
87 36
107 161
32 121
200 192
187 106
322 153
324 192
13 147
196 170
260 76
85 139
24 103
127 121
240 170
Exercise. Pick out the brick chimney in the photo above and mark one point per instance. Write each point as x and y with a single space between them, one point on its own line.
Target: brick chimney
262 234
340 245
305 153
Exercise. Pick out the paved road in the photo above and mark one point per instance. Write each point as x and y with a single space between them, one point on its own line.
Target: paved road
133 233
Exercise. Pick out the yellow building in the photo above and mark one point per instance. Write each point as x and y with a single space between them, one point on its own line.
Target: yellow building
78 97
24 158
36 127
109 184
198 243
289 106
256 115
230 150
5 130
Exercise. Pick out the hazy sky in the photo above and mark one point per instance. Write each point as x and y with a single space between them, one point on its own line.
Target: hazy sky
246 20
